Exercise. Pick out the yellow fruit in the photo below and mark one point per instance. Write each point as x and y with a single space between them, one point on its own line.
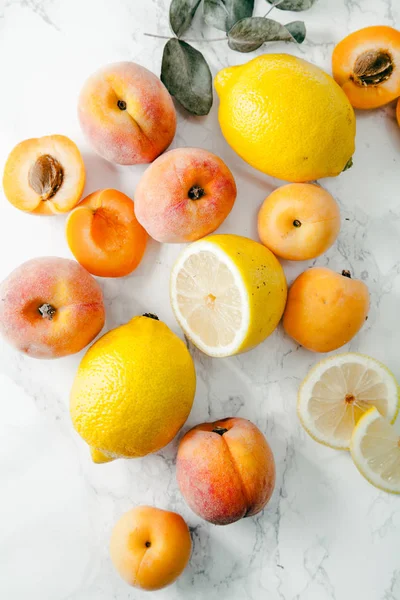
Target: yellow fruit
133 391
286 117
339 390
228 293
375 450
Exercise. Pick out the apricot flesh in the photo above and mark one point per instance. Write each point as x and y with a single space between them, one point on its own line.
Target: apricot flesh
127 114
44 176
366 64
299 221
325 310
225 470
150 547
104 235
184 195
50 307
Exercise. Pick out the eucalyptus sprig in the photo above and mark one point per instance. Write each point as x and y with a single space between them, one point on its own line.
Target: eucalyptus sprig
184 70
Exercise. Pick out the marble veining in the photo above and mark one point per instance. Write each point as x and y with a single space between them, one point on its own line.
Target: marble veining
326 534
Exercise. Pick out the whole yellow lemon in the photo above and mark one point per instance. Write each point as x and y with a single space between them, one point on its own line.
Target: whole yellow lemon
133 391
286 117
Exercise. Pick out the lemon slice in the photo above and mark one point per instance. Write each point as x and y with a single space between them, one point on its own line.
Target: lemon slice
338 391
375 449
228 293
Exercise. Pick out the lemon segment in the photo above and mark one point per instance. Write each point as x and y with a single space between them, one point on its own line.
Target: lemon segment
375 449
338 391
228 293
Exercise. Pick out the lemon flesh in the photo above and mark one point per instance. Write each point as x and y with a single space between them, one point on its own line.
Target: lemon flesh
133 391
375 449
228 293
338 391
286 117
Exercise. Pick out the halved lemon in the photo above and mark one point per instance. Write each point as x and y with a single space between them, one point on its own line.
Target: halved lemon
375 449
228 293
339 390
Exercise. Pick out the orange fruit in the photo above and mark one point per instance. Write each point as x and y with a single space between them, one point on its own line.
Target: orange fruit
366 64
324 309
104 235
299 221
150 547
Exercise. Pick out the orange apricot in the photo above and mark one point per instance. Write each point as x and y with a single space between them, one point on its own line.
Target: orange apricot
150 547
104 235
325 309
299 221
44 176
366 64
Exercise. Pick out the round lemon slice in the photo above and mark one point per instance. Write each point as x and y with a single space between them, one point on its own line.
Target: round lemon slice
228 293
339 390
375 449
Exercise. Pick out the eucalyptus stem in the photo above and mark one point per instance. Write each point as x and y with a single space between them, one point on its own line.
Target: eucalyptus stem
198 41
272 7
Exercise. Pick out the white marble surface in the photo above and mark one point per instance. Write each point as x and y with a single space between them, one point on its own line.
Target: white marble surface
326 534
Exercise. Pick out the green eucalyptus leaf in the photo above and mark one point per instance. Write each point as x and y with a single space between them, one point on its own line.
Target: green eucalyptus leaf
223 14
297 30
187 76
295 5
181 13
249 34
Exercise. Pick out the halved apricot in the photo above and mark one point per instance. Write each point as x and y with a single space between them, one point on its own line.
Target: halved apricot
45 176
104 235
366 64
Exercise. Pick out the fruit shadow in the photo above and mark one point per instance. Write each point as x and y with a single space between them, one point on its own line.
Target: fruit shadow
100 173
121 294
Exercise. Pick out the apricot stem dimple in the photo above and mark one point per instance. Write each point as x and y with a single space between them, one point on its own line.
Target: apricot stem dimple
47 311
196 192
346 273
296 223
148 544
121 104
372 67
151 316
46 176
219 430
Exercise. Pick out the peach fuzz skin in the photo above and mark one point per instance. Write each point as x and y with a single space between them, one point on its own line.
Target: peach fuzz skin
127 114
299 221
50 307
104 235
325 309
225 470
184 195
150 547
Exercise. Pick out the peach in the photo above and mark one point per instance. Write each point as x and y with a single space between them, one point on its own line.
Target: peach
150 547
324 309
50 307
104 235
299 221
184 195
44 176
127 114
225 470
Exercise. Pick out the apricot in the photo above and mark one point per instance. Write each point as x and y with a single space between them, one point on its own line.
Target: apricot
150 547
44 176
104 235
225 470
50 307
127 114
299 221
366 64
325 310
184 195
